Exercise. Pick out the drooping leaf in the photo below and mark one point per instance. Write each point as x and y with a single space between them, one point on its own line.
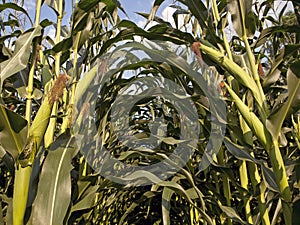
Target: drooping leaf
141 175
87 200
269 178
145 196
166 201
274 73
270 31
154 9
155 19
275 120
243 19
7 159
10 5
166 205
20 57
240 152
13 131
54 189
87 5
160 32
231 213
199 10
54 4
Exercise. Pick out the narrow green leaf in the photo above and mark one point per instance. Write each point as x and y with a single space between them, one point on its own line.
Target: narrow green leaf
275 120
54 189
16 7
13 131
87 200
154 9
240 11
269 178
160 32
141 175
166 201
84 83
87 5
240 152
147 195
20 57
197 9
270 31
166 205
231 213
54 4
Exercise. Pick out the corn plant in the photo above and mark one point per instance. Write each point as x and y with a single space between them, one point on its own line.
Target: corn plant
50 90
36 106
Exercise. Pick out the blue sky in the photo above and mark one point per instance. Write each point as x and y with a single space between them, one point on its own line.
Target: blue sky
130 6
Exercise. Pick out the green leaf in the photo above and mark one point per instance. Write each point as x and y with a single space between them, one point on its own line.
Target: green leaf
7 160
269 178
156 18
147 195
160 32
85 83
270 31
141 175
63 46
276 119
154 9
242 17
240 152
13 131
87 200
198 10
251 119
54 189
231 213
166 205
20 57
16 7
166 200
87 5
9 213
54 4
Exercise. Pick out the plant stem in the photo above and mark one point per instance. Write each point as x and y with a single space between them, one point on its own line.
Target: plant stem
282 181
226 185
32 67
22 175
234 69
254 71
49 136
255 181
66 121
244 184
22 178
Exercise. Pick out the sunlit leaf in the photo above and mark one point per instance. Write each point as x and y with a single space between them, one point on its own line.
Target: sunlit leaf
231 213
20 57
275 121
54 4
